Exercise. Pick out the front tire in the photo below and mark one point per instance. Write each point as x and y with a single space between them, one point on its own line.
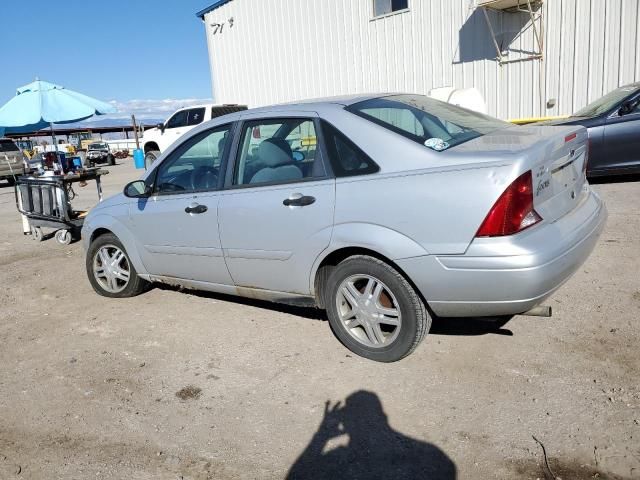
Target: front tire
111 161
150 157
110 270
374 311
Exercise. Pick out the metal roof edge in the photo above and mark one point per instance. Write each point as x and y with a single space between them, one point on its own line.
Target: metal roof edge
211 7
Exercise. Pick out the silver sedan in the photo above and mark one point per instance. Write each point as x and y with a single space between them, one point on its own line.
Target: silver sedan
385 210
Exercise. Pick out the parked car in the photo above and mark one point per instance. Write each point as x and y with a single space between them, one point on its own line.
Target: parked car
99 152
158 139
341 204
12 161
613 122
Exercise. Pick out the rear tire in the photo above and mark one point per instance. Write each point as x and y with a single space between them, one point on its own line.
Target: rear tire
150 157
110 274
388 322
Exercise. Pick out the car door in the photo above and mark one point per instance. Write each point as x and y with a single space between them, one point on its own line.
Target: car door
276 215
622 140
177 226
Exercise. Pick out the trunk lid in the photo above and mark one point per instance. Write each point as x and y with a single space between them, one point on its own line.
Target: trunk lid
556 156
558 175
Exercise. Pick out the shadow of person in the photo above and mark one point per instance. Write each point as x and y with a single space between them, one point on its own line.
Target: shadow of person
355 441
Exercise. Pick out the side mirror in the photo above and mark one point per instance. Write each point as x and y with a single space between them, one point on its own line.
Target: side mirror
298 156
160 127
137 189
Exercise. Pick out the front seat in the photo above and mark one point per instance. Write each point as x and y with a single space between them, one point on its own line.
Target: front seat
276 156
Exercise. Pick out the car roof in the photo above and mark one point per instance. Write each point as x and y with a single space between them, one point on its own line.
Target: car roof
339 101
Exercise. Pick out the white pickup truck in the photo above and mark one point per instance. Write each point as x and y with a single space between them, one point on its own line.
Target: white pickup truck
158 139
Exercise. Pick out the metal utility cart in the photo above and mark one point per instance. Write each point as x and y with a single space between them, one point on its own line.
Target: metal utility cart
46 202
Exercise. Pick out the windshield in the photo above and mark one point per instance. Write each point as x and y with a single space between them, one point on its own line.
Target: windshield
606 103
8 146
98 146
433 123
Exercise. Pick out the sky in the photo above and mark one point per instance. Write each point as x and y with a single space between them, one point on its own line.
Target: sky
148 57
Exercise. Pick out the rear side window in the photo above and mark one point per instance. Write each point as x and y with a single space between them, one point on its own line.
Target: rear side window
8 146
345 156
195 116
278 151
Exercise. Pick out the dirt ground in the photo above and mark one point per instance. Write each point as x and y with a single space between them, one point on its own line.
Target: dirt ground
188 385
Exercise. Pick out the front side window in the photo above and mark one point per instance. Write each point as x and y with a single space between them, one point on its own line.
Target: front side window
384 7
179 119
196 166
195 116
278 151
425 120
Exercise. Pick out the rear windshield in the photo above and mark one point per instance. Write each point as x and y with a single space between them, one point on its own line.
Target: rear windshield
424 120
226 109
8 146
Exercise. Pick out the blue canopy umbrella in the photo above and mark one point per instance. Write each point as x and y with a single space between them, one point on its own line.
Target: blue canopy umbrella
41 104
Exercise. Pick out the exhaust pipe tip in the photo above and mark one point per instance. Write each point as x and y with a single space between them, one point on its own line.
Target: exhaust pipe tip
539 311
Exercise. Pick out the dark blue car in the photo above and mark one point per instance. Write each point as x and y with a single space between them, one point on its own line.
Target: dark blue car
613 122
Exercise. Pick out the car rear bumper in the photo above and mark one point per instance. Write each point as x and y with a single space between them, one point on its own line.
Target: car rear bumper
509 275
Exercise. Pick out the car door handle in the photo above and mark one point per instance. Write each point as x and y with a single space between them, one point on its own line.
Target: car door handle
298 201
194 208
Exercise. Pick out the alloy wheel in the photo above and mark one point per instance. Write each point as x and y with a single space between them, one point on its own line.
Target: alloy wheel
368 310
111 268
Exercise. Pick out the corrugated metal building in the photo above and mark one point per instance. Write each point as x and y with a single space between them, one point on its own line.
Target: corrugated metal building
270 51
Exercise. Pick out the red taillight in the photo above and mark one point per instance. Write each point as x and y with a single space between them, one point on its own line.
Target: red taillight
513 211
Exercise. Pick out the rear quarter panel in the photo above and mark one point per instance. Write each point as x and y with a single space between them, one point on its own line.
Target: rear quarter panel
429 211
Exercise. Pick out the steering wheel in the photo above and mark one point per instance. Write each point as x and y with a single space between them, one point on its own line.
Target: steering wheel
204 178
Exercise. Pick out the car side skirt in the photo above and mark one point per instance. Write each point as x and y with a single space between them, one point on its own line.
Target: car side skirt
245 292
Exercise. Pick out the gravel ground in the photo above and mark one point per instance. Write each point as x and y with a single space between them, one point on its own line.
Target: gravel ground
190 385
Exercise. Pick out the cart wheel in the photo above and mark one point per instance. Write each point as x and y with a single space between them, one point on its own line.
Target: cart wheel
63 237
36 233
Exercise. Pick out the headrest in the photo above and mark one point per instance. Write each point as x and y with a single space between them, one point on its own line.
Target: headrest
274 152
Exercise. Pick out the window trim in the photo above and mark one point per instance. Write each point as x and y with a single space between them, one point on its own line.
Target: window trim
184 147
387 15
234 157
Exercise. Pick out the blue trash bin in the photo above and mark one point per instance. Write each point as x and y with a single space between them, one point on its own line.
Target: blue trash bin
138 158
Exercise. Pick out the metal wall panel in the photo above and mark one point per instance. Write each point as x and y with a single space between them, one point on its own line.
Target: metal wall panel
272 51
